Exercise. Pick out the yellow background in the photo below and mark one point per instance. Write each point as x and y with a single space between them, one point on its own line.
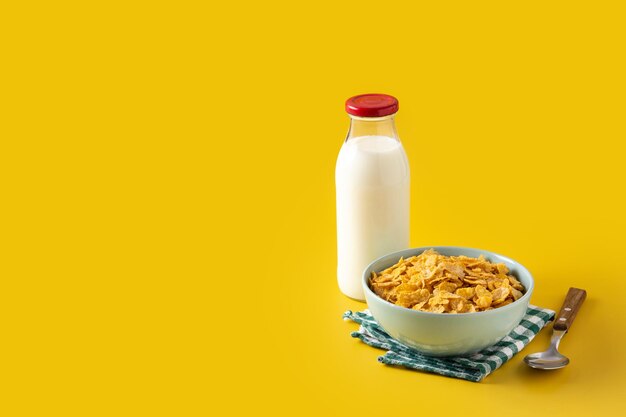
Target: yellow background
168 235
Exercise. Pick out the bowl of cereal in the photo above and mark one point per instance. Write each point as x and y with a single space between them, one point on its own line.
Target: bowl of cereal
447 300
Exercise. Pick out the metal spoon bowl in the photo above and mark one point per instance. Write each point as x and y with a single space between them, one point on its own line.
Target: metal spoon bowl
551 358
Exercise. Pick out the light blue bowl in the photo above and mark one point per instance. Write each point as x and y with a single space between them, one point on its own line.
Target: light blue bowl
438 334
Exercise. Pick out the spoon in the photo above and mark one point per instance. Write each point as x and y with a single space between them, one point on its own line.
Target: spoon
551 358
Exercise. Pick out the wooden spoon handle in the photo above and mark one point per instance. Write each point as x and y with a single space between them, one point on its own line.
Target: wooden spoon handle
571 305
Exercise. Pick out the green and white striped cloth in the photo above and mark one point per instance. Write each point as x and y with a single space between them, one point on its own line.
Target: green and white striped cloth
472 368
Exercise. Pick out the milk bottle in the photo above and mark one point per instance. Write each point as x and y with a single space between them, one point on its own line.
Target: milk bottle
372 190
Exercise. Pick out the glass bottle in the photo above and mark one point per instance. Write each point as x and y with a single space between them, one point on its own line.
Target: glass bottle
372 182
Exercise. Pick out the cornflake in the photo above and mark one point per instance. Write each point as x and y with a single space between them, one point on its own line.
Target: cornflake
447 284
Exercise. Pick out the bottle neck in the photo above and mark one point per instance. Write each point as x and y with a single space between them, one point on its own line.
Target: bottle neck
372 126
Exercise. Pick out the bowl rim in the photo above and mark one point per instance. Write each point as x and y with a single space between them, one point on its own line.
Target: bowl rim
525 297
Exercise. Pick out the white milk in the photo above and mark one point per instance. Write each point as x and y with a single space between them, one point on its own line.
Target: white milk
372 185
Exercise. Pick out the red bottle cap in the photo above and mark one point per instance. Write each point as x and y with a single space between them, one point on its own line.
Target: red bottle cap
372 105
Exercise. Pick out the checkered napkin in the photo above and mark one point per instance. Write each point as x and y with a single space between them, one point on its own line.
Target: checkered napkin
472 368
